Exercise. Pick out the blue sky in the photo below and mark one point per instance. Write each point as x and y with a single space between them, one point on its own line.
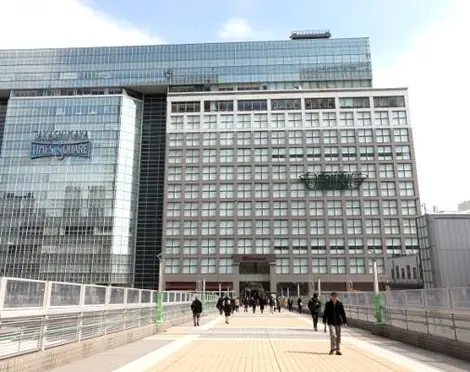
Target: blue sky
420 44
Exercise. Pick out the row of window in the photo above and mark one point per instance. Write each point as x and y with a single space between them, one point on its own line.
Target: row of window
288 104
283 266
316 208
281 120
278 227
276 191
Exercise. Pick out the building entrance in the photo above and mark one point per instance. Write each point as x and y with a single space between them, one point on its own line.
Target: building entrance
254 289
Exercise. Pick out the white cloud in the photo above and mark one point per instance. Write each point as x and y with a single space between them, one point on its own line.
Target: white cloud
239 29
64 23
437 73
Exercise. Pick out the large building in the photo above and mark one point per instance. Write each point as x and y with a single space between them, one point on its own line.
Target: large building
247 165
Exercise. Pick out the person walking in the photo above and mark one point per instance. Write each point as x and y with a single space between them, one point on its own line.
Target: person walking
335 317
314 305
220 305
299 305
227 309
271 304
196 308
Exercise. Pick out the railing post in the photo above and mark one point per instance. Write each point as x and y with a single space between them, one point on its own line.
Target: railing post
46 305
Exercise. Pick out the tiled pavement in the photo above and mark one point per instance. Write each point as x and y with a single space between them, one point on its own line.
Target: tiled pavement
262 343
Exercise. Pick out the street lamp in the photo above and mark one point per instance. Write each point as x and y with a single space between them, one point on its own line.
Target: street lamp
159 314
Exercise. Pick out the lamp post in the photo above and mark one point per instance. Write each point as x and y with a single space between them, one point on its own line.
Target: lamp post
159 312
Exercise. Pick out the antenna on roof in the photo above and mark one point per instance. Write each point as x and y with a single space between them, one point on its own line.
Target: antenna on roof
319 34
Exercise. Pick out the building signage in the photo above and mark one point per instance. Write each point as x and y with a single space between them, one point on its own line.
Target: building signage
333 180
60 144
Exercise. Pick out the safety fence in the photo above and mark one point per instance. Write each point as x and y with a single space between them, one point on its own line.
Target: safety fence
37 315
443 312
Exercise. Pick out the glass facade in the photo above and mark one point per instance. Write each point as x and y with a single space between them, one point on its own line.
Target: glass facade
69 186
323 63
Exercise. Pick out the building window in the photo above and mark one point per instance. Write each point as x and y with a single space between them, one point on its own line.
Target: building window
354 227
244 121
182 107
338 266
209 191
226 247
174 191
299 247
281 246
337 246
354 103
299 227
173 209
189 266
391 101
405 170
312 119
373 227
262 227
300 266
380 265
193 122
218 106
261 172
172 247
381 118
349 153
172 266
173 228
226 139
317 208
408 207
278 138
401 135
319 103
282 265
280 209
409 226
383 135
393 246
227 228
334 208
369 170
244 209
252 105
390 207
369 189
403 152
298 208
388 189
329 119
348 136
399 118
411 246
209 122
208 266
357 266
294 120
263 246
318 246
367 153
353 208
346 119
364 118
285 104
226 209
191 209
226 191
260 121
319 265
278 120
317 227
385 152
371 207
176 122
391 226
406 188
245 246
355 246
386 171
330 137
192 140
281 227
374 246
279 189
226 266
209 209
191 228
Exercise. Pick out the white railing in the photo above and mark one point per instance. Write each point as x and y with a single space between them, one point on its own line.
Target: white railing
37 315
443 312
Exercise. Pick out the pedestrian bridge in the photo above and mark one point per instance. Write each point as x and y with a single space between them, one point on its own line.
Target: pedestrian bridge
261 343
50 326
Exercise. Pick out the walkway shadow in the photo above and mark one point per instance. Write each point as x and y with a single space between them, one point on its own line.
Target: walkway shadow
307 352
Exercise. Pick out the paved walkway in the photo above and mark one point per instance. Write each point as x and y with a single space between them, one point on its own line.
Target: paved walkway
262 343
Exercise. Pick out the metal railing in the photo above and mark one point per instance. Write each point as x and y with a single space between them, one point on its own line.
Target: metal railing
443 312
38 315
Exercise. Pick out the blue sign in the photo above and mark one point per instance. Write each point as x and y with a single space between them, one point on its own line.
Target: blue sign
60 150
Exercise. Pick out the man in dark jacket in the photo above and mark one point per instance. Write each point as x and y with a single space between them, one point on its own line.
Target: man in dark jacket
314 305
335 317
196 308
227 306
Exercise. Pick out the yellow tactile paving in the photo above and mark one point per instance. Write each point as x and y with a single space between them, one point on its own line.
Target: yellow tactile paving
271 356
